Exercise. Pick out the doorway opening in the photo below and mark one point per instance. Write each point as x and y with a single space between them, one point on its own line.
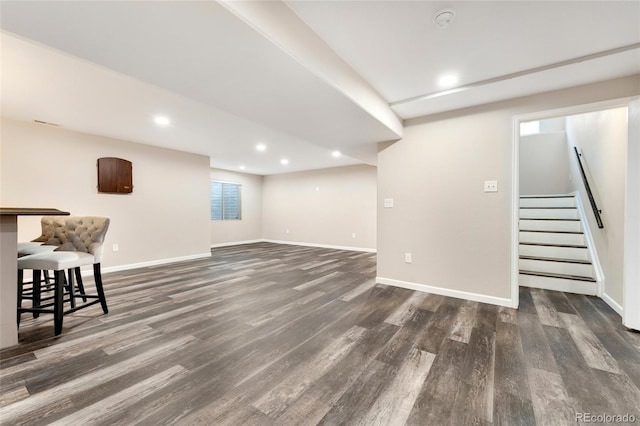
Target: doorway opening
571 166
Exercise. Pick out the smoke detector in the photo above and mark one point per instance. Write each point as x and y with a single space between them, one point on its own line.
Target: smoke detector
443 18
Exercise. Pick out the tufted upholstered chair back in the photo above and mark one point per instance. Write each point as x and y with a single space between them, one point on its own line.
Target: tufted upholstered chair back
53 230
86 234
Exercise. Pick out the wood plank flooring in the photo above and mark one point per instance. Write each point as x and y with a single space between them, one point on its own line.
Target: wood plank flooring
271 334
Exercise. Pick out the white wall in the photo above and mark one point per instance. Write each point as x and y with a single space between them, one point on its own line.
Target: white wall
163 218
631 274
602 138
460 237
250 226
544 164
322 207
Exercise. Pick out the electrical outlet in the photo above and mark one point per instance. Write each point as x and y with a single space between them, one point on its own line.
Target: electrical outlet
388 203
353 235
116 247
407 258
287 231
490 186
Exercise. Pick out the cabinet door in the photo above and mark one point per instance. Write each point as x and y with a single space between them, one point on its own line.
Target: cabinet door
115 175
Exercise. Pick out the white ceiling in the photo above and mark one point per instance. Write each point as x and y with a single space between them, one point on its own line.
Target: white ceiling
396 47
230 75
47 85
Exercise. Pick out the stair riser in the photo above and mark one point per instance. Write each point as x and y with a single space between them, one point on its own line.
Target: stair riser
557 284
549 213
549 225
555 252
546 238
547 202
557 267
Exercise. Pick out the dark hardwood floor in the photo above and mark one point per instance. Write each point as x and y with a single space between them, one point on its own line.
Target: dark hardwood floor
270 334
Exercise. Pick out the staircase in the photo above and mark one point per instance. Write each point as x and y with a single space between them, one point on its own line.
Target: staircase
553 250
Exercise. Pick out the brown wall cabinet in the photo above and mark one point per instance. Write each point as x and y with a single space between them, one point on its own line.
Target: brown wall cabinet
115 175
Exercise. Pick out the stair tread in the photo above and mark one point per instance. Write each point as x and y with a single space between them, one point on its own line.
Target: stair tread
552 232
548 218
561 276
555 245
547 196
555 259
547 207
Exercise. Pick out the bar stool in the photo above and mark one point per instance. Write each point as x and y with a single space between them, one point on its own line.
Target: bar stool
84 246
53 235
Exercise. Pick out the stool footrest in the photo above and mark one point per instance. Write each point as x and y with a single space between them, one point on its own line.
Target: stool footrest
52 297
42 308
84 305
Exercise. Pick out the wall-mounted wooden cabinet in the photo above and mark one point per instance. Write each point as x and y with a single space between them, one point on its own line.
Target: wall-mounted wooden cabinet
115 175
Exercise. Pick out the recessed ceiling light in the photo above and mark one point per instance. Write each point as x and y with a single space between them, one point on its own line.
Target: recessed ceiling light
448 80
261 147
161 120
336 154
241 167
284 161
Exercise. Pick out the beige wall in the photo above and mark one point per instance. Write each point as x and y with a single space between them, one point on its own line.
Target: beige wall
250 227
163 218
322 207
460 237
544 164
602 138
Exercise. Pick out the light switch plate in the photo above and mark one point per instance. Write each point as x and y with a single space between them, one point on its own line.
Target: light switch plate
490 186
388 203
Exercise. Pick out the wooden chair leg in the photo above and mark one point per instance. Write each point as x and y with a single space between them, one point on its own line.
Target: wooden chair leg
80 284
98 278
20 290
71 287
36 291
58 308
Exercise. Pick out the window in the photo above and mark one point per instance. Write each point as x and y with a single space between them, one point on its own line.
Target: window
225 201
529 128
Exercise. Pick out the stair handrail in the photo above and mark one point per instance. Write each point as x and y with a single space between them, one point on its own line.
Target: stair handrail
592 200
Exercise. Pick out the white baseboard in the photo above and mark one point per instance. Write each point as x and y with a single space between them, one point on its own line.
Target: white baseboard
329 246
588 235
612 303
208 254
476 297
155 262
294 243
235 243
